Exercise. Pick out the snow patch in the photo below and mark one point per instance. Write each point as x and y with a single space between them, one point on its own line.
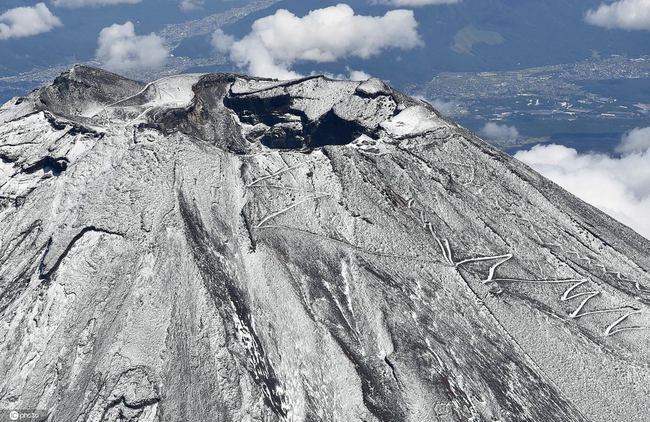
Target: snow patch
366 144
173 91
412 121
373 87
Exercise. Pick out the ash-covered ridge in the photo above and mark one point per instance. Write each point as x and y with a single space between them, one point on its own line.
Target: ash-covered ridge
224 248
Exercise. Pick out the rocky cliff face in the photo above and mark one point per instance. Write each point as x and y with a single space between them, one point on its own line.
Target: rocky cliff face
221 248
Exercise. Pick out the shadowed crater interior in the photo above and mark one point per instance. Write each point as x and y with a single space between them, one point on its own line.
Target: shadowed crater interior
277 124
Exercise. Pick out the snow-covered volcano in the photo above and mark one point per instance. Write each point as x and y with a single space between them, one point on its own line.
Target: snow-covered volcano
222 248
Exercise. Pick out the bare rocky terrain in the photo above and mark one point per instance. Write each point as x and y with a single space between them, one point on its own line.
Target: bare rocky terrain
222 248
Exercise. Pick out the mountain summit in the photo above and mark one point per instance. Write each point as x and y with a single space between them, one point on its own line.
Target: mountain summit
224 248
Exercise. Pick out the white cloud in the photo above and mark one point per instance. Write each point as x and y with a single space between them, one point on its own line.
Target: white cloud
84 3
416 3
502 133
619 186
358 75
222 42
446 108
351 75
190 5
27 21
278 41
636 140
623 14
120 49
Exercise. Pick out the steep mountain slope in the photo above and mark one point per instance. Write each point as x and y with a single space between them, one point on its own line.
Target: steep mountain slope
222 248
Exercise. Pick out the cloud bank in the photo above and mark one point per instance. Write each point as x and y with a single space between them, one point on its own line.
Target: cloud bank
120 49
501 133
635 141
277 42
23 22
622 14
84 3
619 186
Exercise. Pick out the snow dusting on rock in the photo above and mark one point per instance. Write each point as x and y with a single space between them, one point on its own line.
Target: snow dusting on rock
223 248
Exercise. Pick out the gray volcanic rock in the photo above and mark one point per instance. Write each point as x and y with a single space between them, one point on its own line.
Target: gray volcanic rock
223 248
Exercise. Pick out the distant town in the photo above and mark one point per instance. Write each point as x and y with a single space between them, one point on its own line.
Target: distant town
612 94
